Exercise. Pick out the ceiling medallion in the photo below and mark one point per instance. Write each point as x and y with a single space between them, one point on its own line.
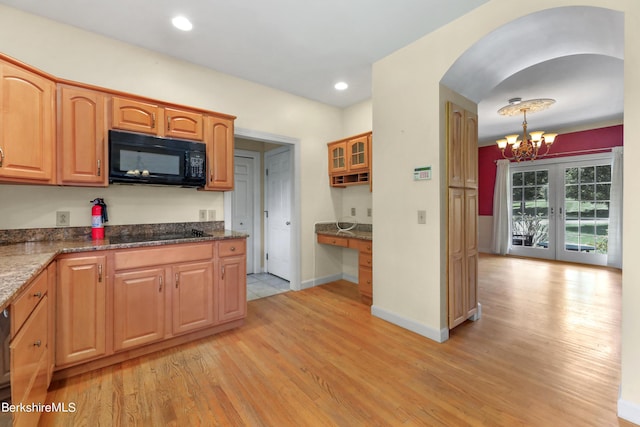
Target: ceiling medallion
527 148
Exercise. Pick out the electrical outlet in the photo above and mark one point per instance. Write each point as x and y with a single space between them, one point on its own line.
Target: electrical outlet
202 215
369 212
353 211
422 217
211 214
63 218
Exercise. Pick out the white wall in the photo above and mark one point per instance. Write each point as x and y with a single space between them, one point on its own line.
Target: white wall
69 53
407 124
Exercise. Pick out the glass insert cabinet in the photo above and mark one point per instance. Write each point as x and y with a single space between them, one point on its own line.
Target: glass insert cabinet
350 161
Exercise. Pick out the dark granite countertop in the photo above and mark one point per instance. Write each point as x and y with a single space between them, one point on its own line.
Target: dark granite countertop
360 231
21 262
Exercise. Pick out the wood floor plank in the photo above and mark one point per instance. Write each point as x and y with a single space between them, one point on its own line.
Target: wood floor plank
546 352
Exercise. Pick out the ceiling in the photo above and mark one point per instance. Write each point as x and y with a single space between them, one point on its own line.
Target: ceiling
571 54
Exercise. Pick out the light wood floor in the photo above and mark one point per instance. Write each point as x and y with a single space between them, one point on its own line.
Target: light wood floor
545 353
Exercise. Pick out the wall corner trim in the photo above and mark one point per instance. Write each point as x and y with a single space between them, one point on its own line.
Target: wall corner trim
436 335
629 411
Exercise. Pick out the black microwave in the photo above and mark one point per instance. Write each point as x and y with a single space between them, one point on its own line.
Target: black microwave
145 159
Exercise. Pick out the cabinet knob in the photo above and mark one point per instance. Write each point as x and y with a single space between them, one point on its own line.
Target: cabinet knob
233 249
37 343
38 294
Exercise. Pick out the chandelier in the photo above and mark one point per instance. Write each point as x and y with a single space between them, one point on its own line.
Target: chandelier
528 147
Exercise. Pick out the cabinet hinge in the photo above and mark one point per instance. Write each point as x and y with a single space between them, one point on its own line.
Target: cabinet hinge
267 255
266 171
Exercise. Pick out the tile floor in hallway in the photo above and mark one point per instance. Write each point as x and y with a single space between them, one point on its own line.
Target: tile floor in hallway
260 285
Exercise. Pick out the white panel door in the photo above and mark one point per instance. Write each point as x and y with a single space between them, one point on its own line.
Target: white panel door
278 216
242 202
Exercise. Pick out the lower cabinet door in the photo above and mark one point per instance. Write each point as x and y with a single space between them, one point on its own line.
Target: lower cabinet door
138 306
232 288
81 309
192 299
29 364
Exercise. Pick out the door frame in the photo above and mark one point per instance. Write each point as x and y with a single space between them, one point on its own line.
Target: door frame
295 241
256 233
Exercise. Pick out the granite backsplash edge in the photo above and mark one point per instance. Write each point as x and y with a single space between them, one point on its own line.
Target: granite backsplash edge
77 233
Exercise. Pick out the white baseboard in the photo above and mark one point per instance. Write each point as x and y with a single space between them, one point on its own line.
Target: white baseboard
440 336
629 411
320 281
349 278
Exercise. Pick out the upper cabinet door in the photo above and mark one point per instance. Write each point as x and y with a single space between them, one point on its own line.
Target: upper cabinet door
82 137
471 150
462 147
337 157
219 140
358 153
27 126
455 146
136 116
183 124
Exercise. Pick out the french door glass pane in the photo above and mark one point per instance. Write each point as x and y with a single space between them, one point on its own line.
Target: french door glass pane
586 219
530 208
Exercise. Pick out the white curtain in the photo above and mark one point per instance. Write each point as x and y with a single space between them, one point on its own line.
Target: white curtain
501 210
614 249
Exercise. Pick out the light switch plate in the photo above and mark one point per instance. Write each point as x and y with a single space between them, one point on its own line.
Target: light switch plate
422 217
353 211
202 215
368 212
211 215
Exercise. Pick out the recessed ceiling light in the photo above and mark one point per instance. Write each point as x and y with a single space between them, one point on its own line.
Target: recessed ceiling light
182 23
341 86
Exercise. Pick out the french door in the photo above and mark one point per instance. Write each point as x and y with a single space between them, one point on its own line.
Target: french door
560 208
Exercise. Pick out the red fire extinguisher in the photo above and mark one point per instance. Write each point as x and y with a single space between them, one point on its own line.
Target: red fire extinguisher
98 218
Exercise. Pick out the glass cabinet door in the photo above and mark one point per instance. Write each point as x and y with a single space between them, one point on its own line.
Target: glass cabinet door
358 153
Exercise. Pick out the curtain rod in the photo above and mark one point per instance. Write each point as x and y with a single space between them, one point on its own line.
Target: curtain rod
591 150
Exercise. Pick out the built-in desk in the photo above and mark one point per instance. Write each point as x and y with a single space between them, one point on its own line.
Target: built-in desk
362 242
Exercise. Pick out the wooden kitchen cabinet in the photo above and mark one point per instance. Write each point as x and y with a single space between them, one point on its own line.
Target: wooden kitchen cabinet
350 161
192 297
462 148
231 280
30 347
138 307
155 297
365 268
82 137
81 303
358 152
219 140
159 288
184 124
138 116
365 261
462 215
27 126
337 157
